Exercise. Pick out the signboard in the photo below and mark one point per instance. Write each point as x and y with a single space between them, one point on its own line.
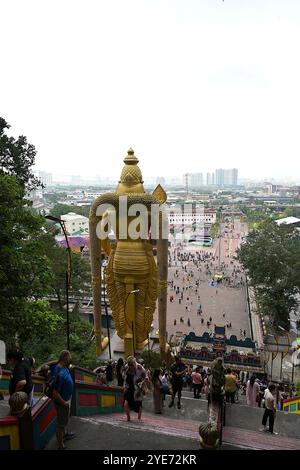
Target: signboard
2 353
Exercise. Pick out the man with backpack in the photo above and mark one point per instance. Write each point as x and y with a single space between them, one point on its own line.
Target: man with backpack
62 393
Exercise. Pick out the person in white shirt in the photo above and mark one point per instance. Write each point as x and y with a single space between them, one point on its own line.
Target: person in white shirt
270 409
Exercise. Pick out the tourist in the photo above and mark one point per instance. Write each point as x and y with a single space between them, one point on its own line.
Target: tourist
119 372
270 410
165 383
62 393
158 392
231 385
178 370
109 372
252 391
135 376
197 382
21 380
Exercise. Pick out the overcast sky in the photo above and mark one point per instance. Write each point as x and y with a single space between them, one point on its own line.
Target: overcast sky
191 85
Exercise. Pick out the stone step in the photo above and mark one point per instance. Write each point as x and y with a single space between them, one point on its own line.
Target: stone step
156 432
238 415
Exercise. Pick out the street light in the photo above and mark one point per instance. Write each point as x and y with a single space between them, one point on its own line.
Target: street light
68 272
106 313
148 336
134 291
220 236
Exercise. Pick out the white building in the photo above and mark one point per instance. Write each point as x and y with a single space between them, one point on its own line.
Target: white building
190 216
293 221
75 223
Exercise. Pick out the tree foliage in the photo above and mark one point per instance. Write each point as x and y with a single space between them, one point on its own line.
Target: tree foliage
17 158
33 267
271 257
152 359
21 274
60 209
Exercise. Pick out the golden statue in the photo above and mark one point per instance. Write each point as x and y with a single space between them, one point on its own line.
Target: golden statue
132 278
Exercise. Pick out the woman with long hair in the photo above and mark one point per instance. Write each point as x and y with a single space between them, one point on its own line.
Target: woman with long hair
135 376
252 391
157 392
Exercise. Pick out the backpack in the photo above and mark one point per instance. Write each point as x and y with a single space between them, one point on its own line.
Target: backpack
49 386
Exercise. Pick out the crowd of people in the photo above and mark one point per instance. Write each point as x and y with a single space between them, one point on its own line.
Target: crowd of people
137 380
190 271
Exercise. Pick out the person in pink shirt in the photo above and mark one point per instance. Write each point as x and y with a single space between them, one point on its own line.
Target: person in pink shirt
197 382
252 391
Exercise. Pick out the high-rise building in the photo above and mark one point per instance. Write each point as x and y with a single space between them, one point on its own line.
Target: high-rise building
226 177
196 180
208 179
46 178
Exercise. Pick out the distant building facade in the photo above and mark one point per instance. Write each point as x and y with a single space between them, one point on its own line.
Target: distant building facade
226 177
75 223
196 180
191 216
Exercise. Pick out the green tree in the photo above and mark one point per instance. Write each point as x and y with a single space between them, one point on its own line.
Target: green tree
271 258
22 276
60 209
152 359
17 158
33 267
291 212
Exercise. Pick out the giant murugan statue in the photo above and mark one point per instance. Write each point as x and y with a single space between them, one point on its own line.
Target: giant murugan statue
133 280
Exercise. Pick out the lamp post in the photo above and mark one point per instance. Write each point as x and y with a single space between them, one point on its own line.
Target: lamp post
220 236
106 314
68 272
148 336
134 291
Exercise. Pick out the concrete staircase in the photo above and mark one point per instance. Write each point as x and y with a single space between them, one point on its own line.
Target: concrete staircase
178 429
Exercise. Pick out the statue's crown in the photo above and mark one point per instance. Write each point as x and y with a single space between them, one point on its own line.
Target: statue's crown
131 174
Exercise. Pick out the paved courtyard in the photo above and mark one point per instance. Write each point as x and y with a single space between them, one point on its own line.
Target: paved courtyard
215 301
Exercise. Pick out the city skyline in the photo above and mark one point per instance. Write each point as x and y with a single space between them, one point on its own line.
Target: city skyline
215 85
57 178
